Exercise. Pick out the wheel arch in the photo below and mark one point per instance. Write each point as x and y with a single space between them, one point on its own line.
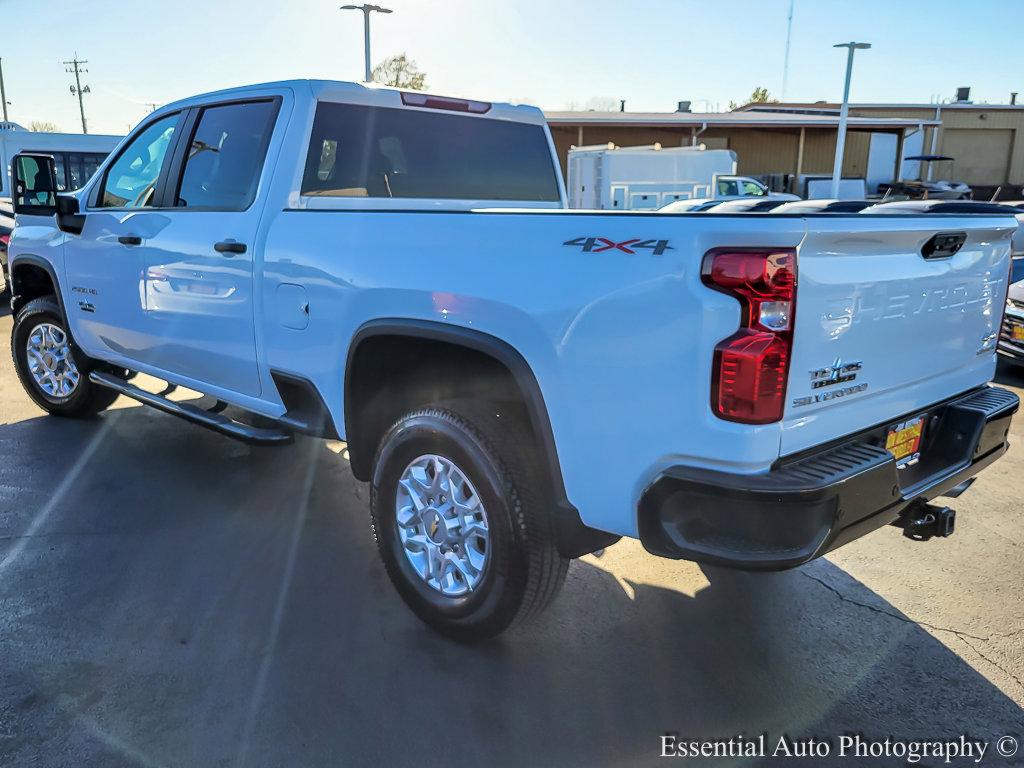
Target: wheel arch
575 538
30 277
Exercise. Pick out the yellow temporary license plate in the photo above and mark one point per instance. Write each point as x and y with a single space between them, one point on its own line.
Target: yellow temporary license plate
1017 332
904 441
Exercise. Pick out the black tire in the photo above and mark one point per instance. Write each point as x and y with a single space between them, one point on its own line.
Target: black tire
86 399
523 570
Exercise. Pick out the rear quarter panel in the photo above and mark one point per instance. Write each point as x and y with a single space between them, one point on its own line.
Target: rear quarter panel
620 343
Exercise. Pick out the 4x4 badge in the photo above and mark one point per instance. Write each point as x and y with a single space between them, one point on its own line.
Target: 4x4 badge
602 244
837 373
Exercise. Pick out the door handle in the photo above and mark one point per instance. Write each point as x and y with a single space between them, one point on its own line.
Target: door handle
129 240
229 246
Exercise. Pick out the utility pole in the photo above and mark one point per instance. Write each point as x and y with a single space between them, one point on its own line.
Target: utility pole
153 106
367 10
3 93
844 111
75 66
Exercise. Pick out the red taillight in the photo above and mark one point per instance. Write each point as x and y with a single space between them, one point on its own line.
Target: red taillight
443 102
751 366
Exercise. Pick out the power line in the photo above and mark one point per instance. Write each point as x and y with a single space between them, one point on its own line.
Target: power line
75 66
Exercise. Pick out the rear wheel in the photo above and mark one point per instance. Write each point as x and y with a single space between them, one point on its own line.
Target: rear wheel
459 520
52 370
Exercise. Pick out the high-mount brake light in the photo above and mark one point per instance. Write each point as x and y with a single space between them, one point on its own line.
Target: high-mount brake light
443 102
751 367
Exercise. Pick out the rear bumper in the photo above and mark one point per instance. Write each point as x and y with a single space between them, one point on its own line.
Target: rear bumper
812 503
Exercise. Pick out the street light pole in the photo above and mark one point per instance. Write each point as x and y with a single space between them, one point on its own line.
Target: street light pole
844 110
3 93
367 10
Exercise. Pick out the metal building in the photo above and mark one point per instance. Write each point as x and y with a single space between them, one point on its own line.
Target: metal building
792 140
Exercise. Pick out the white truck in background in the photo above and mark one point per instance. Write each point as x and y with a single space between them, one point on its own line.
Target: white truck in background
611 178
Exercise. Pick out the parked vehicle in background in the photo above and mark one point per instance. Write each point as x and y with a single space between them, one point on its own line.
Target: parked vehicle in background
6 226
518 383
607 177
749 205
76 155
1018 238
1011 336
927 190
699 205
824 206
733 187
946 207
820 188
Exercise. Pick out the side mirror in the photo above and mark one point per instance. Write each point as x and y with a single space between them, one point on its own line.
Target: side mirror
34 177
68 217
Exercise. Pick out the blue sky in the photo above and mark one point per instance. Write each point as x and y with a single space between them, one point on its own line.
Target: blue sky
652 53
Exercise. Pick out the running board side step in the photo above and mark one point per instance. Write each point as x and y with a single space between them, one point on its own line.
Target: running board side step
210 419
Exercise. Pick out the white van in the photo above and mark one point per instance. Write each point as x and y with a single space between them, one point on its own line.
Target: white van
77 155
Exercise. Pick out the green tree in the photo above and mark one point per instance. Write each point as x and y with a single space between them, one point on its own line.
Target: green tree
401 72
43 126
759 95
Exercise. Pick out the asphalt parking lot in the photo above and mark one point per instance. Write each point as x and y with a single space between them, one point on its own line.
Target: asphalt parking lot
169 597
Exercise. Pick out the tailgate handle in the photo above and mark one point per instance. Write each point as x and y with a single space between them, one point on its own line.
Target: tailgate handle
943 245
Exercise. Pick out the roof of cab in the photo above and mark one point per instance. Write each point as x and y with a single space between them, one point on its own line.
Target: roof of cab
370 94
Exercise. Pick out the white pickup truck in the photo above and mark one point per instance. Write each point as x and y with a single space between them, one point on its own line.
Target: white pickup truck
520 384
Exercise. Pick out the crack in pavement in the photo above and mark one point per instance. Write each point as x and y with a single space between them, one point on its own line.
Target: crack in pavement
966 637
1012 675
906 619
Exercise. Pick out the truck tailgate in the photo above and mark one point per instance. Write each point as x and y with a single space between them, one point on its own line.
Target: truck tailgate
882 331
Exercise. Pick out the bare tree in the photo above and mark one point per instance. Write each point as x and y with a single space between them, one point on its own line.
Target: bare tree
603 104
401 72
43 126
594 104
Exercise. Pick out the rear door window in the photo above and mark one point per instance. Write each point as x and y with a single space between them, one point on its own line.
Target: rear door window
225 157
359 151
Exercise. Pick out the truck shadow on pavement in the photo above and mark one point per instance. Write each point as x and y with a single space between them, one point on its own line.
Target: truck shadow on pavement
169 597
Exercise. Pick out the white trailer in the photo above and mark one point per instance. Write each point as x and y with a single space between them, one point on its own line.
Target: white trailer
607 177
77 155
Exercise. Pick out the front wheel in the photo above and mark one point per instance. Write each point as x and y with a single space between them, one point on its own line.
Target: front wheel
459 519
54 372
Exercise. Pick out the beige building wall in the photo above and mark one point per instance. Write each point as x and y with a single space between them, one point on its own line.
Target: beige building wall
987 143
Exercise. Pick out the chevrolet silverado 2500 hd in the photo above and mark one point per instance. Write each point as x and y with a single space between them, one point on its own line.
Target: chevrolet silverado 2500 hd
520 384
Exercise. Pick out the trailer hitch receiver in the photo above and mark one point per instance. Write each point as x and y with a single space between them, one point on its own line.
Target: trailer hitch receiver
921 522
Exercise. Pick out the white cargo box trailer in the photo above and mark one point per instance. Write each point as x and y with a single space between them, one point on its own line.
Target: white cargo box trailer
607 177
